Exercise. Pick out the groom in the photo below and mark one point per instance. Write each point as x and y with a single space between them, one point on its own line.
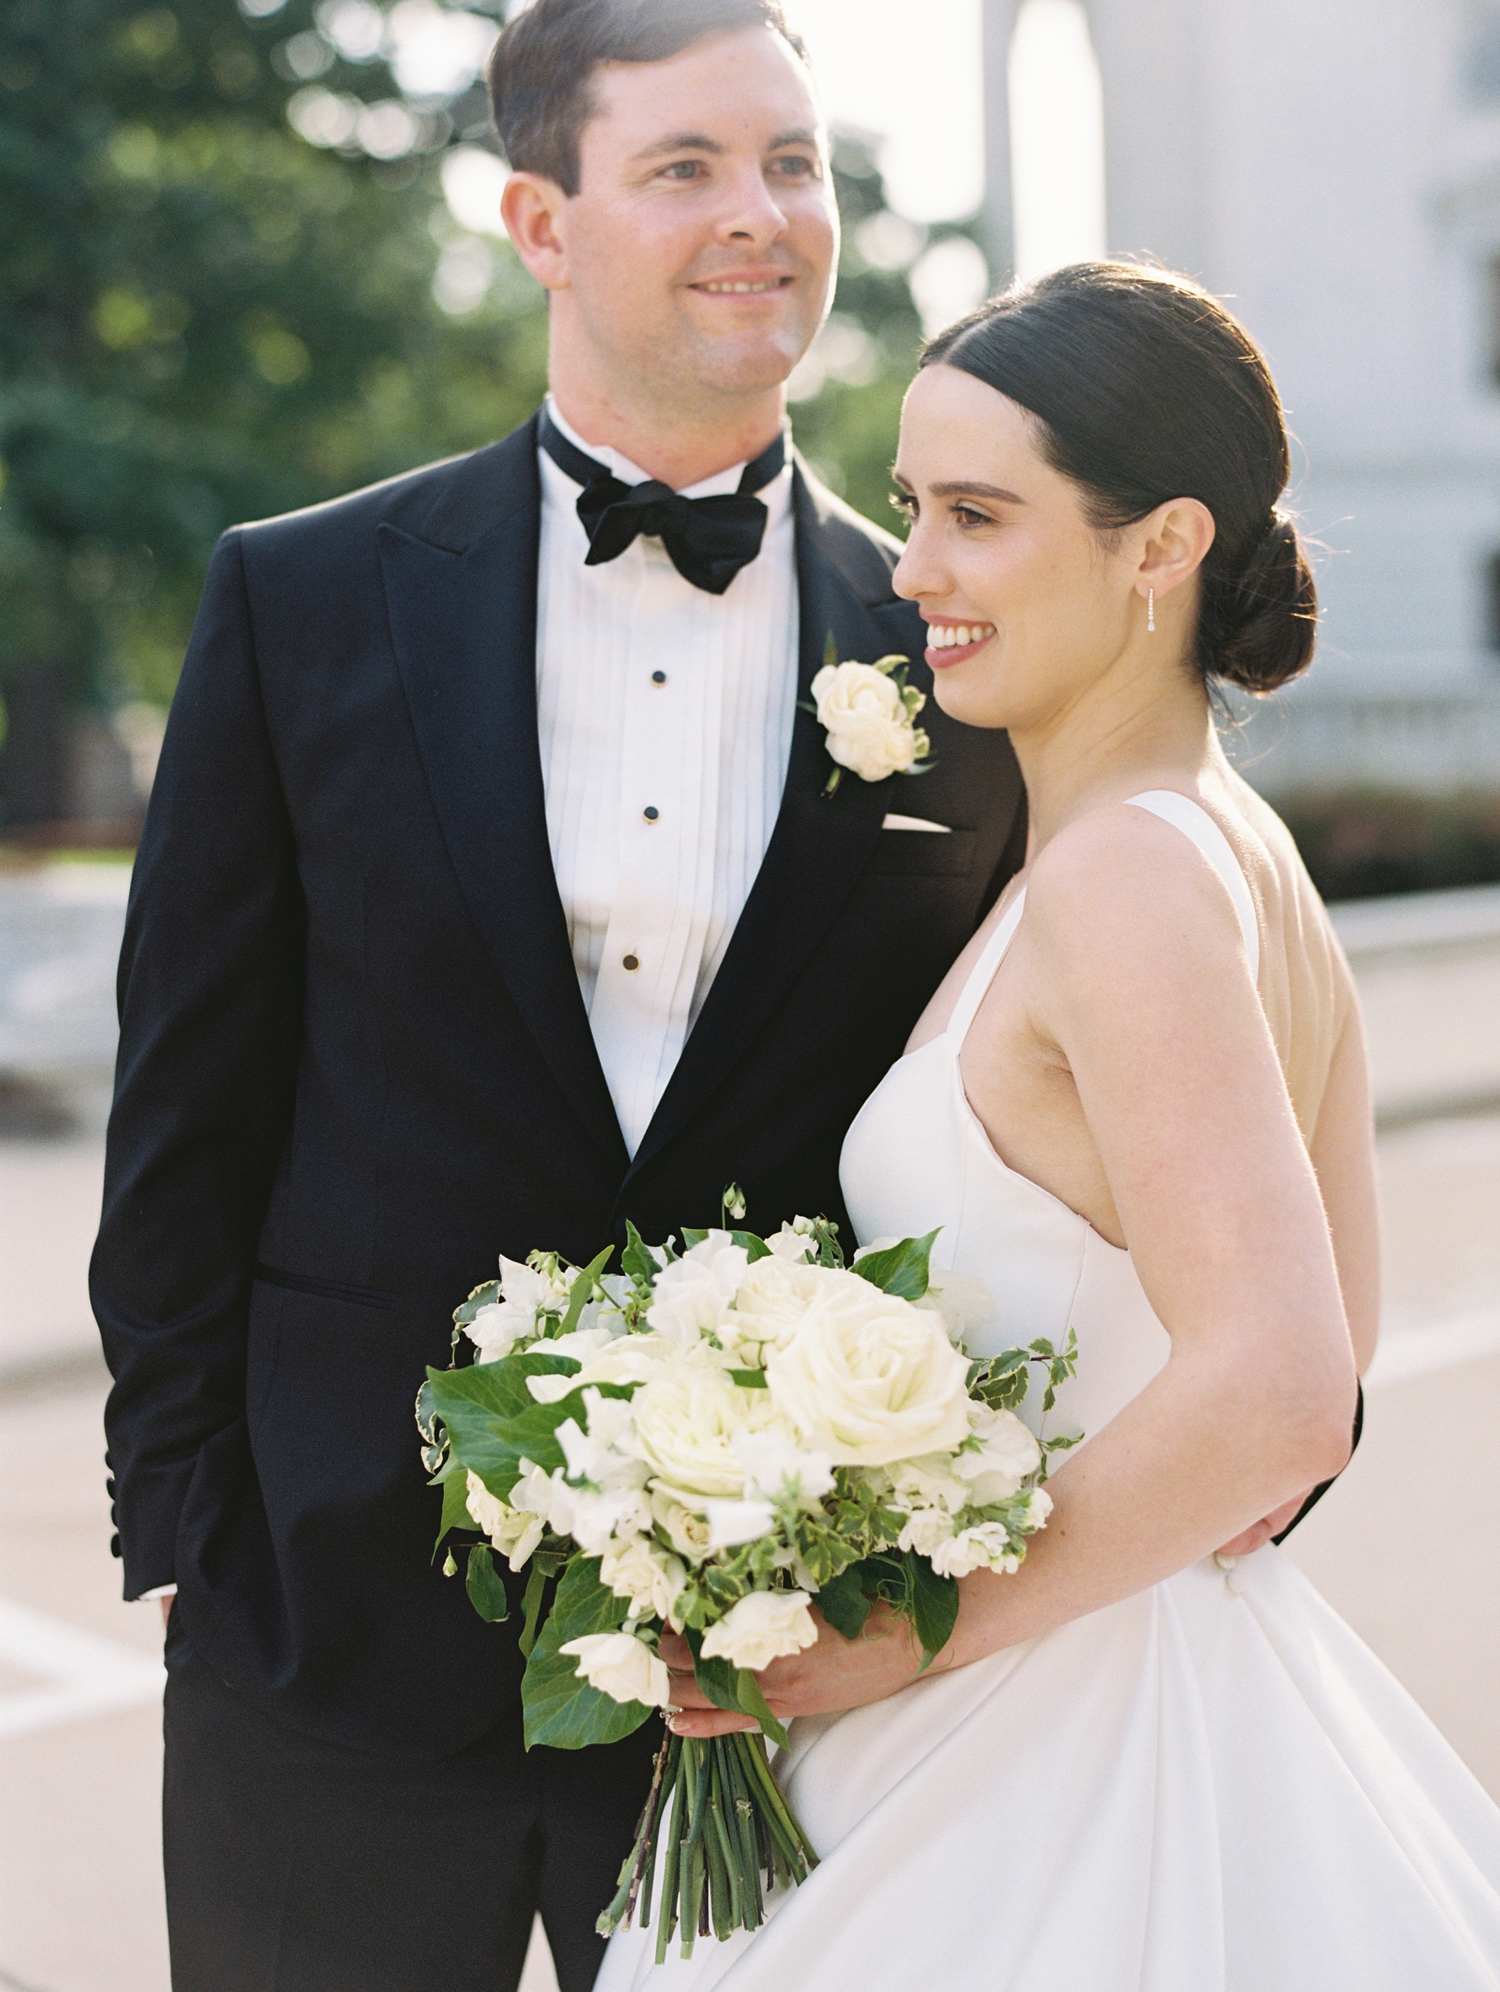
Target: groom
490 897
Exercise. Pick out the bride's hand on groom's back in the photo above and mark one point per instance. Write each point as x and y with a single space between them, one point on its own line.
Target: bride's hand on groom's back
836 1674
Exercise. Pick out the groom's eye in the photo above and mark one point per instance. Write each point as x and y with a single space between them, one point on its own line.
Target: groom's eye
682 169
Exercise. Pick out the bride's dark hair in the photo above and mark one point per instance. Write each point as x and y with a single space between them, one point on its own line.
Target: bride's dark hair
1144 388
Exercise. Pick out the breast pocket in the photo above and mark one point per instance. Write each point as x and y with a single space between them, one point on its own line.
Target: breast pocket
924 853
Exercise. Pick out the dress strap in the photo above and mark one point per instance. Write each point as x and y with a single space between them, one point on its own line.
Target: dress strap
1195 823
982 974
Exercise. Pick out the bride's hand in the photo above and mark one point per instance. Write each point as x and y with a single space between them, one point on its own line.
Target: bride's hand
1261 1532
834 1675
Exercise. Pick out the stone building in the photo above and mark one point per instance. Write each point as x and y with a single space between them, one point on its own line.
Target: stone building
1332 168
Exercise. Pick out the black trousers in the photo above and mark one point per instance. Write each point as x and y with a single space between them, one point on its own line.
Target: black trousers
294 1865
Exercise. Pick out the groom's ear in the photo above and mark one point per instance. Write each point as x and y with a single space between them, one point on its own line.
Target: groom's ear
531 208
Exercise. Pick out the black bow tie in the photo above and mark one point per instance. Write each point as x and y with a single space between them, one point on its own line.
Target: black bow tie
708 539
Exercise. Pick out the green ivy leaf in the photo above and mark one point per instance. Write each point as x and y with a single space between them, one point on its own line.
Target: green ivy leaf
455 1505
582 1289
934 1606
560 1709
636 1260
485 1587
482 1296
901 1269
843 1603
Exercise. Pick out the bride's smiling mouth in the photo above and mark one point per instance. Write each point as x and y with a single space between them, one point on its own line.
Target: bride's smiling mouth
949 643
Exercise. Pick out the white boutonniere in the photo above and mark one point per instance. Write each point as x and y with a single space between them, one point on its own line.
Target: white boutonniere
869 712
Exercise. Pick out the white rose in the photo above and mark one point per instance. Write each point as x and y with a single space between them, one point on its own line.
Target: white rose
686 1418
870 1378
1007 1454
685 1527
869 729
690 1296
986 1544
761 1628
645 1573
770 1302
622 1667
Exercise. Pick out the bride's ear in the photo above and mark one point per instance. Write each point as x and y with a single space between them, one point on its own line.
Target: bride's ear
1174 544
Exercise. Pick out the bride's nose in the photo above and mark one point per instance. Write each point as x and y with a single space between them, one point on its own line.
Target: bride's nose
917 574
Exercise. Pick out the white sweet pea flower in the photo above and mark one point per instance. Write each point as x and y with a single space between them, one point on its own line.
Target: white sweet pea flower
929 1483
645 1573
581 1343
793 1244
1038 1508
628 1359
761 1628
512 1531
596 1517
691 1295
604 1453
622 1667
869 1378
775 1464
868 723
986 1545
553 1387
964 1303
535 1492
733 1522
1007 1453
927 1531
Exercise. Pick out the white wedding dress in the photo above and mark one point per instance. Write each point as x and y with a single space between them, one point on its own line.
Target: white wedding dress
1212 1786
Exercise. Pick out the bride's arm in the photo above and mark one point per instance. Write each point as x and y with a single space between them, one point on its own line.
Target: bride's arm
1147 996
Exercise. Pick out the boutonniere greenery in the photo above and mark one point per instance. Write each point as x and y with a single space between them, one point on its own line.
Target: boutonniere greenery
868 713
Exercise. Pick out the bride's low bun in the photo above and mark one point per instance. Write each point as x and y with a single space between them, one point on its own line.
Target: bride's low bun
1144 389
1258 623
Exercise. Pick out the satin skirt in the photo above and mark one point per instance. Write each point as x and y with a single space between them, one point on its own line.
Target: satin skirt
1213 1786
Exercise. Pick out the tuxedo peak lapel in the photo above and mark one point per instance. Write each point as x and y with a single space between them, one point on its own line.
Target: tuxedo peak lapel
821 843
463 623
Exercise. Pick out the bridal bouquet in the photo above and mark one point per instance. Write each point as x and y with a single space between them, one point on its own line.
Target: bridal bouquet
715 1440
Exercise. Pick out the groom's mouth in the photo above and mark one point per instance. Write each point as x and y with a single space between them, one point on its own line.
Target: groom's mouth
949 643
760 283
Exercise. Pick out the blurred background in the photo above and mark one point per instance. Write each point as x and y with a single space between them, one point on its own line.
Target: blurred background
250 257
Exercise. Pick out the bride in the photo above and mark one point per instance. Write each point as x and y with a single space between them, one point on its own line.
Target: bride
1138 1108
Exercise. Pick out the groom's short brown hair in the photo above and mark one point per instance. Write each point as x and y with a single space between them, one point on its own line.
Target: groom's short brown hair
540 68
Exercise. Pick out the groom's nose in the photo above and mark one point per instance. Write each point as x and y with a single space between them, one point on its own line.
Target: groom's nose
750 214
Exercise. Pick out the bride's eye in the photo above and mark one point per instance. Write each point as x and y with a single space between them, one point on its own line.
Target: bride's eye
904 503
967 517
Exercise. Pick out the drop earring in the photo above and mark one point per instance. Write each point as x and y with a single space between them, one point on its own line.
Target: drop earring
1151 609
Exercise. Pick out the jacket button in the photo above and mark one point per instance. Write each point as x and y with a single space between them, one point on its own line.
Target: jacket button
631 961
114 1546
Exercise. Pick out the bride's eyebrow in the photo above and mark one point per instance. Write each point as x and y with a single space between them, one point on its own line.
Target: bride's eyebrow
967 488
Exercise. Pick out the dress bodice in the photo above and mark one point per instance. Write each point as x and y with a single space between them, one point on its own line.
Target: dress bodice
917 1156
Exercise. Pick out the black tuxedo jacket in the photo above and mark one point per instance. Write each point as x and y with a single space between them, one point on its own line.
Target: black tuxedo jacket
355 1064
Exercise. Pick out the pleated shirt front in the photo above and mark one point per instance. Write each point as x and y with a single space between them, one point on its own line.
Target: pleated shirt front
665 720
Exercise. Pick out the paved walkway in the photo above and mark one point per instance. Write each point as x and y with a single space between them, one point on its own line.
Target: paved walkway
1405 1548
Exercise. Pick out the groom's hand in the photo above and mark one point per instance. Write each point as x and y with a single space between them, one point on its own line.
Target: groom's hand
834 1675
166 1610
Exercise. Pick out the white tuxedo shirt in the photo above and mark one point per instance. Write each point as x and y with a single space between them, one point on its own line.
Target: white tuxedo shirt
665 720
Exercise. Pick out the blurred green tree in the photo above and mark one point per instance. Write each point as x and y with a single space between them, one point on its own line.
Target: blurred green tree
234 285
